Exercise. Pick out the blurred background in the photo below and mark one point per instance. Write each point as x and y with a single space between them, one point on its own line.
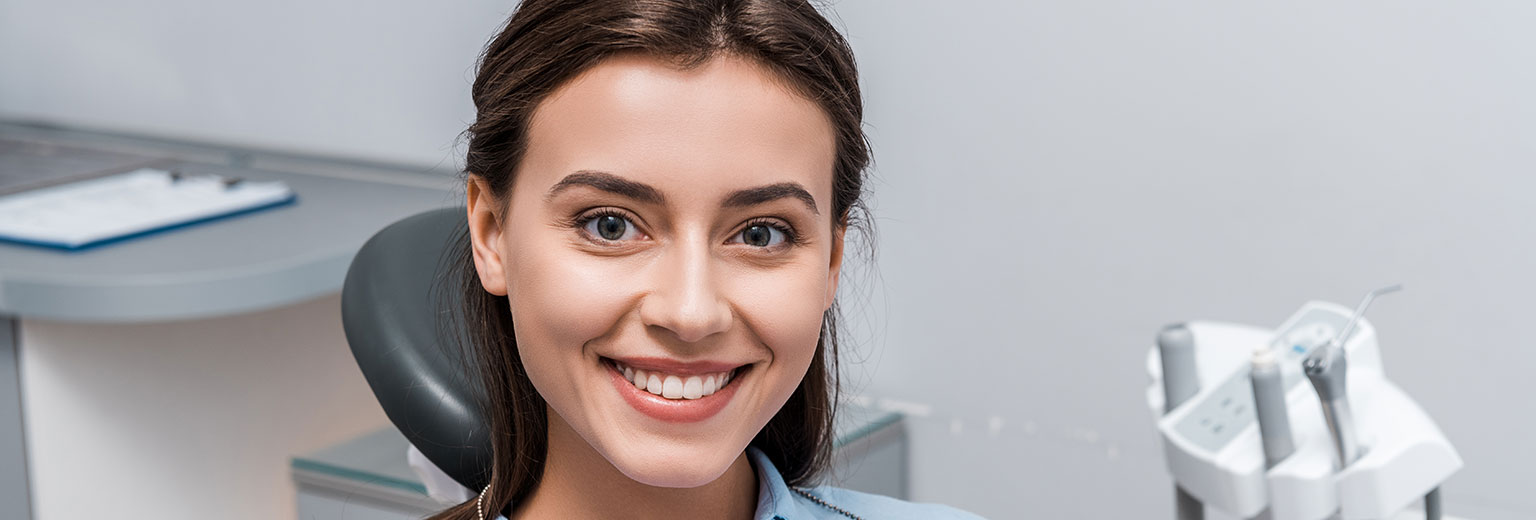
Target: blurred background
1053 182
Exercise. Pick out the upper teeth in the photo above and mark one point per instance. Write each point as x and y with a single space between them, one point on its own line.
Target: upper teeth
675 387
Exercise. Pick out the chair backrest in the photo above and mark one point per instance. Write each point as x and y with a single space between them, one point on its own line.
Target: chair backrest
394 304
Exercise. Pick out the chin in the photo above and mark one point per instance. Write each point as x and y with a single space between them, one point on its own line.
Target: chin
686 466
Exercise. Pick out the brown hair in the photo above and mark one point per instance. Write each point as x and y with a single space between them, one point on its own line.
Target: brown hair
548 42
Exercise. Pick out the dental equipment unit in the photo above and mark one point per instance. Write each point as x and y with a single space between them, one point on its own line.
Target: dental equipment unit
1243 437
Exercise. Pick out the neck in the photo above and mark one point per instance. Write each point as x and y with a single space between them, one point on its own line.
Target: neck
574 471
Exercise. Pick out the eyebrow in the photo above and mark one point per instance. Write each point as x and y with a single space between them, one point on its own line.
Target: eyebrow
645 193
610 183
771 192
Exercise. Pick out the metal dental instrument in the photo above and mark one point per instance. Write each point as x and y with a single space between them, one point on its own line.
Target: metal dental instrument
1181 381
1326 367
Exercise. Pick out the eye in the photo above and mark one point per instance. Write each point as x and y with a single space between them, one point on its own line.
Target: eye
762 234
610 227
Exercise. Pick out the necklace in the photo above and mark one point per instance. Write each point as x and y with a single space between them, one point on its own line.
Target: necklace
839 510
479 508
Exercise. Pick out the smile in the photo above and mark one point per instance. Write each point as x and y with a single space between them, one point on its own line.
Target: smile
670 386
681 394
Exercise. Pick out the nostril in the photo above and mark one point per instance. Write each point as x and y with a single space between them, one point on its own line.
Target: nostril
690 313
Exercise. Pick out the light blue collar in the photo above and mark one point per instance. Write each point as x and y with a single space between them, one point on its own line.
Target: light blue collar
775 501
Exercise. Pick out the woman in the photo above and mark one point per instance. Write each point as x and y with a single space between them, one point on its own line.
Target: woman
658 194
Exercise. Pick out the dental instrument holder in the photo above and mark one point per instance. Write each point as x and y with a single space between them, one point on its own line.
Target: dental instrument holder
1212 445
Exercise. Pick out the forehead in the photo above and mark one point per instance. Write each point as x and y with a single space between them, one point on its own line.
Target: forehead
724 125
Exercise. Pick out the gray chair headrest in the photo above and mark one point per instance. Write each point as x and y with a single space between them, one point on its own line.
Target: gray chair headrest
397 306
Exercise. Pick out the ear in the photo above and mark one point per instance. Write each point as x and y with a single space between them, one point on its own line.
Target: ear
835 268
485 220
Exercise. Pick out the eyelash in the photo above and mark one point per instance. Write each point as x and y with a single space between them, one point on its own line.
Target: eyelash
581 220
791 237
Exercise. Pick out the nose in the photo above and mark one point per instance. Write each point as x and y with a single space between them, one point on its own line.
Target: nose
686 299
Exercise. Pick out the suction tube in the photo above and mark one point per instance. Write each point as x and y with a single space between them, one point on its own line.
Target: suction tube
1181 381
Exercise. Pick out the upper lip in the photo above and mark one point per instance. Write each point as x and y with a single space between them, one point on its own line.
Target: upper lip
672 366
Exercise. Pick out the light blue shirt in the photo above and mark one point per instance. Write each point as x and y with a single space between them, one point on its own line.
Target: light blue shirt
776 501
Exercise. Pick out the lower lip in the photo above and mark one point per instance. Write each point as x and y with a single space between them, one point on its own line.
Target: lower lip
673 410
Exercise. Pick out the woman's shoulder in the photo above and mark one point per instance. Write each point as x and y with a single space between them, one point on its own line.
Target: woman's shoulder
839 503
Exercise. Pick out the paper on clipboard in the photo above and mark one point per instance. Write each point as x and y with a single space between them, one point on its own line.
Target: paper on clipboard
106 209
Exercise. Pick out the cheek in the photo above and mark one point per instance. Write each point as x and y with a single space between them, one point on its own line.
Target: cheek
560 299
783 309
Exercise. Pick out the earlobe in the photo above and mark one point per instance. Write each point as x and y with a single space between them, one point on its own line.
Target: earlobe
485 236
835 267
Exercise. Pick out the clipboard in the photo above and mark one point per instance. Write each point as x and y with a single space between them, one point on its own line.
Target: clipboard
97 211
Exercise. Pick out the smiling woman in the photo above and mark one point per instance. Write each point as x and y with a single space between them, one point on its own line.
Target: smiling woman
658 195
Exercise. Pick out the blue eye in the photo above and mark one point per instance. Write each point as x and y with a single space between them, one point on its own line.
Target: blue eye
610 227
762 235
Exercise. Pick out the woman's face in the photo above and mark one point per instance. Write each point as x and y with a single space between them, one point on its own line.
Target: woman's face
668 249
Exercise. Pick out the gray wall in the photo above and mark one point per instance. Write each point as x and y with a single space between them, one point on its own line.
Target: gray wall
1060 179
1055 180
383 80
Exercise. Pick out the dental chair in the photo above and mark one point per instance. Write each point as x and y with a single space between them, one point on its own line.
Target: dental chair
397 312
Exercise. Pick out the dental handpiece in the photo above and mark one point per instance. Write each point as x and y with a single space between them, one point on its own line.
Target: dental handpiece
1327 369
1269 405
1181 381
